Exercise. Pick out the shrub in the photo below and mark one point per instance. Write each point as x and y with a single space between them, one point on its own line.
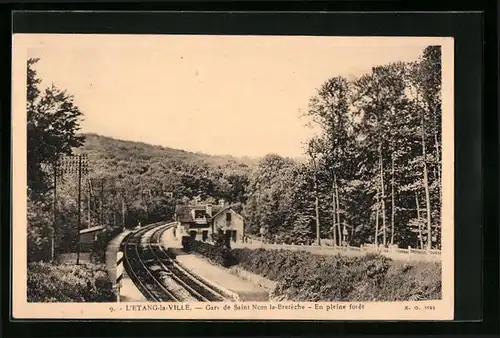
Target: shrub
39 231
186 241
302 276
219 254
68 283
98 251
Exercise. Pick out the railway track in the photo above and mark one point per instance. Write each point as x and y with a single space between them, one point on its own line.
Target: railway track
195 286
137 268
155 272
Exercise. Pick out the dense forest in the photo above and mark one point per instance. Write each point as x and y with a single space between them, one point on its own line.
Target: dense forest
374 171
372 175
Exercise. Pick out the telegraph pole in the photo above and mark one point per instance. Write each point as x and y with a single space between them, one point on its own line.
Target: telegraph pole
54 215
89 203
82 169
123 211
76 164
79 207
101 205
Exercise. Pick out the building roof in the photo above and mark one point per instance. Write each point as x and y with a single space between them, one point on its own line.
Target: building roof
221 211
183 212
93 229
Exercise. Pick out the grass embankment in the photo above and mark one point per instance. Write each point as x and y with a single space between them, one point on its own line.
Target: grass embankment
301 276
68 283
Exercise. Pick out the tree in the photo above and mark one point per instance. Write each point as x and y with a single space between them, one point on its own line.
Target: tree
380 153
314 149
329 109
52 126
426 82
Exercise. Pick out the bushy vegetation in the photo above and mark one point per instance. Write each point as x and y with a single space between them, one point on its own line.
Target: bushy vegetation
98 250
68 283
302 276
218 254
39 231
148 181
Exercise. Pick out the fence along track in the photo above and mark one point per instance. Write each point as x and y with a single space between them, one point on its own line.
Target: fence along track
146 282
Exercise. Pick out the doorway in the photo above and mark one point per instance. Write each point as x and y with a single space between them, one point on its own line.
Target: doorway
204 235
227 238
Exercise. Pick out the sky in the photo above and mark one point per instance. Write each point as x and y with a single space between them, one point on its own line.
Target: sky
224 95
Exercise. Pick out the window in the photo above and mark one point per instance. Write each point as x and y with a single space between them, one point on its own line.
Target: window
199 214
228 217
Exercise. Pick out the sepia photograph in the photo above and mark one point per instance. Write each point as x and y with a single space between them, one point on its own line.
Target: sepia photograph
232 177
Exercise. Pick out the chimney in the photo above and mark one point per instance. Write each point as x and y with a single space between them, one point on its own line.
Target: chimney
209 210
222 202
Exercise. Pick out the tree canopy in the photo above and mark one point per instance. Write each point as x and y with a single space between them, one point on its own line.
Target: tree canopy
52 126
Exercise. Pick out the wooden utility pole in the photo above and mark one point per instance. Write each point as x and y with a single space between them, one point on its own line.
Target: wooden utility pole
123 212
54 215
377 218
101 205
79 207
82 170
89 203
393 201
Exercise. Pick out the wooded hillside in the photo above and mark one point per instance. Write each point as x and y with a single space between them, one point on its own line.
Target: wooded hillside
372 174
147 181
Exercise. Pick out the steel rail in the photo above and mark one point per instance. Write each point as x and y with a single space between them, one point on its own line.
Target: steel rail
147 289
198 288
175 277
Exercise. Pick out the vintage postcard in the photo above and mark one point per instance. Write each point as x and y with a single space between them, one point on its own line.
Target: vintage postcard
232 177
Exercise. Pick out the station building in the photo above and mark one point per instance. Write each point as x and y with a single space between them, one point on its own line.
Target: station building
200 221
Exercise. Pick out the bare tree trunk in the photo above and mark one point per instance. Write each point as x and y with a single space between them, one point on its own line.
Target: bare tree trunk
393 206
437 126
334 216
418 221
316 201
382 193
438 164
426 186
316 206
338 208
376 219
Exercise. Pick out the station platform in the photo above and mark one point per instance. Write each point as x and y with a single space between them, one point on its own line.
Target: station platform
217 275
